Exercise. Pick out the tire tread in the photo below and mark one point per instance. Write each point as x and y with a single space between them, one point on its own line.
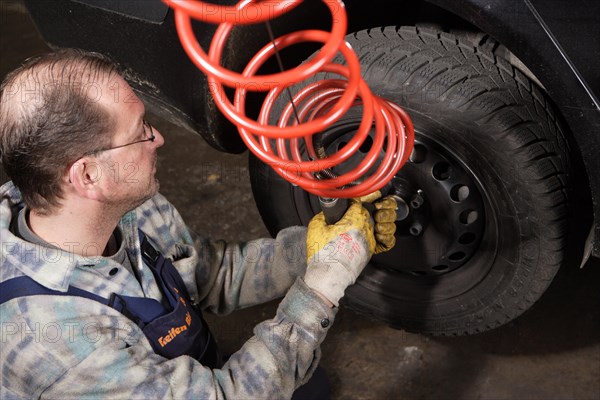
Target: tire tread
514 100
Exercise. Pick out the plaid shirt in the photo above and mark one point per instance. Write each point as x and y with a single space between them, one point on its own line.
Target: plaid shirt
72 347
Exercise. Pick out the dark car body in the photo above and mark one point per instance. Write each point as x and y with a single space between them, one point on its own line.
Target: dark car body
556 41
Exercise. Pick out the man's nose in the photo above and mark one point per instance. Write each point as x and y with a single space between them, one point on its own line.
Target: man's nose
159 140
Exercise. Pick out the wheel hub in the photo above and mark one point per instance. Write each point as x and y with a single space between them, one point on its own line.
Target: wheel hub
441 211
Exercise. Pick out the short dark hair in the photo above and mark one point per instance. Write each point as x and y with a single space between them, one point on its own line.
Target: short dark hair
49 117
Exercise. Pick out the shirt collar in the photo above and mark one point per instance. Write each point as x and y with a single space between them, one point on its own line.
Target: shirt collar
50 266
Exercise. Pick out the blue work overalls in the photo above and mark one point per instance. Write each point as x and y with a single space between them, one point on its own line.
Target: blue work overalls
174 328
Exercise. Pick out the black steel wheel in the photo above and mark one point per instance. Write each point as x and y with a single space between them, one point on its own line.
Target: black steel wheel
485 187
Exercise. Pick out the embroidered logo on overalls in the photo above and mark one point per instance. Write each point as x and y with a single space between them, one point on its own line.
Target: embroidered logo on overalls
164 340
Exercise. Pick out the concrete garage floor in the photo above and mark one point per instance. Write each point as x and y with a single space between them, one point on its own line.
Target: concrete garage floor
551 352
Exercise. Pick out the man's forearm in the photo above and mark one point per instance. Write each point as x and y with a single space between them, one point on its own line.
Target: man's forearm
255 272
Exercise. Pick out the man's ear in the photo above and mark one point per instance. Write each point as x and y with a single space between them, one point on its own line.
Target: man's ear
85 178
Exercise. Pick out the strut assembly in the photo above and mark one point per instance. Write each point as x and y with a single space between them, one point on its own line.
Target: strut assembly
310 111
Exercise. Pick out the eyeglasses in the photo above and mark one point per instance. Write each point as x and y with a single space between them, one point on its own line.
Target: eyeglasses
147 127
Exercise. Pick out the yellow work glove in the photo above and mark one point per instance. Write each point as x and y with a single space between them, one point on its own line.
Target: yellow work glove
337 254
385 220
385 223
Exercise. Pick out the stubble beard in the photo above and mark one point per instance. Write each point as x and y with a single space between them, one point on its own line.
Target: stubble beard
123 207
153 187
150 190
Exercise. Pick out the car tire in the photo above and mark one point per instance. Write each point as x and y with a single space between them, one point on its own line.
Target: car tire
489 171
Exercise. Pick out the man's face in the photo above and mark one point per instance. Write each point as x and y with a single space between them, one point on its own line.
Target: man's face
128 173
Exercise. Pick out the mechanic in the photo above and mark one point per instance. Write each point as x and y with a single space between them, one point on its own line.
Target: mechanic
103 285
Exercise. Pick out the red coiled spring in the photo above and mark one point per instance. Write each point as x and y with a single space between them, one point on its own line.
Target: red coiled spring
316 107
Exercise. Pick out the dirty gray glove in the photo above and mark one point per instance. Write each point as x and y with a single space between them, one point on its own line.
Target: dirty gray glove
337 254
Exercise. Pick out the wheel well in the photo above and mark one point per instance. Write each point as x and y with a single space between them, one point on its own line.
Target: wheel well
363 15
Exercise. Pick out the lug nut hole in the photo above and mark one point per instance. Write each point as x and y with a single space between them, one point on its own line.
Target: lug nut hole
459 193
441 171
457 256
468 217
366 145
467 238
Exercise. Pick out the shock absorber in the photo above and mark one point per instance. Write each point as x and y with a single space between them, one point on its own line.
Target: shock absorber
289 146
